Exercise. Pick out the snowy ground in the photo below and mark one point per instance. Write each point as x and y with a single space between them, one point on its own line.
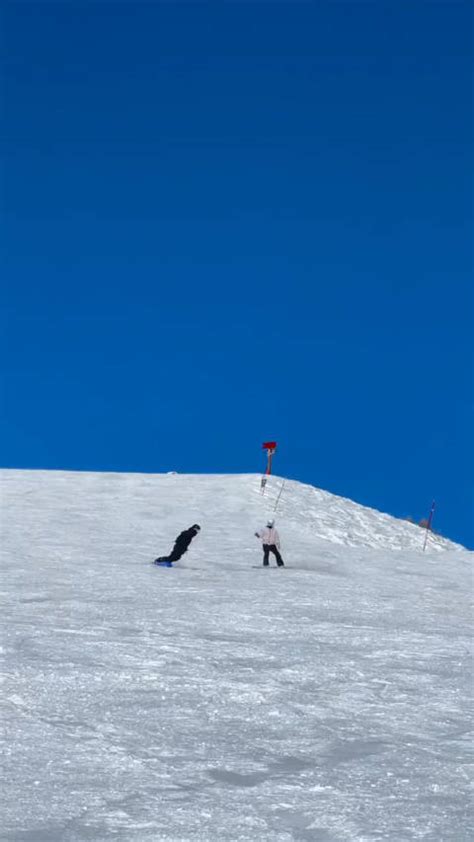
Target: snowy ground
327 701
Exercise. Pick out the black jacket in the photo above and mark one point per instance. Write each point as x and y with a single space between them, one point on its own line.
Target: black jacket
184 538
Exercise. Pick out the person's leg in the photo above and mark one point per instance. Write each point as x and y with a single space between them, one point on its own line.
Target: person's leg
176 554
277 555
266 553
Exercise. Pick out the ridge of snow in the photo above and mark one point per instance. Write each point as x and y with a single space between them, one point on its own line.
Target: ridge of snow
299 507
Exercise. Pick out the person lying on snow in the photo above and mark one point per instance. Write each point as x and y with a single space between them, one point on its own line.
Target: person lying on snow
180 546
271 543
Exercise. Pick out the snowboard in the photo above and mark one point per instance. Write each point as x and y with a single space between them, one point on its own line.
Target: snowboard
267 566
163 562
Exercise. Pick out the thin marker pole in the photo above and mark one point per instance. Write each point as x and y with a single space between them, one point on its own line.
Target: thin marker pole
279 495
269 461
428 525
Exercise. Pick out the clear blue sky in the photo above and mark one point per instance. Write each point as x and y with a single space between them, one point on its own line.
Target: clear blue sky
228 222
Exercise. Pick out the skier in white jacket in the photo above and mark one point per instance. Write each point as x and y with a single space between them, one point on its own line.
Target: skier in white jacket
271 543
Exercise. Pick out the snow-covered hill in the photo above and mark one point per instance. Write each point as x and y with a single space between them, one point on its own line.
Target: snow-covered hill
327 701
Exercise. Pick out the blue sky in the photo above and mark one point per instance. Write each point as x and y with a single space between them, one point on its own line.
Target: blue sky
229 222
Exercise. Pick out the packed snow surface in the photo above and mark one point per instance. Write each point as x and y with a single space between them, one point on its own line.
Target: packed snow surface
218 700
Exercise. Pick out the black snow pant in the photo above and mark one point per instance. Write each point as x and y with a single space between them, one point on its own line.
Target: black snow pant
271 548
177 552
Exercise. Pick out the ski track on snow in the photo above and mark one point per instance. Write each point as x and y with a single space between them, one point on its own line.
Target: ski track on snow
328 701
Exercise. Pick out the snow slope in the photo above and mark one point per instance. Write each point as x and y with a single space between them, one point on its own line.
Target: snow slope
328 701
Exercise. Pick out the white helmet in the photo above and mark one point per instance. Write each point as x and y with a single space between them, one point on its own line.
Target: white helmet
270 523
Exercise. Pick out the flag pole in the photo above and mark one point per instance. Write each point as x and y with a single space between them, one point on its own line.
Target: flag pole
428 525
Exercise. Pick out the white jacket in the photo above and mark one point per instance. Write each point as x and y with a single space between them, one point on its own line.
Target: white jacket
269 535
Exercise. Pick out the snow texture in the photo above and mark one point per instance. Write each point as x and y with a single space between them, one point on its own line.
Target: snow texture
325 701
